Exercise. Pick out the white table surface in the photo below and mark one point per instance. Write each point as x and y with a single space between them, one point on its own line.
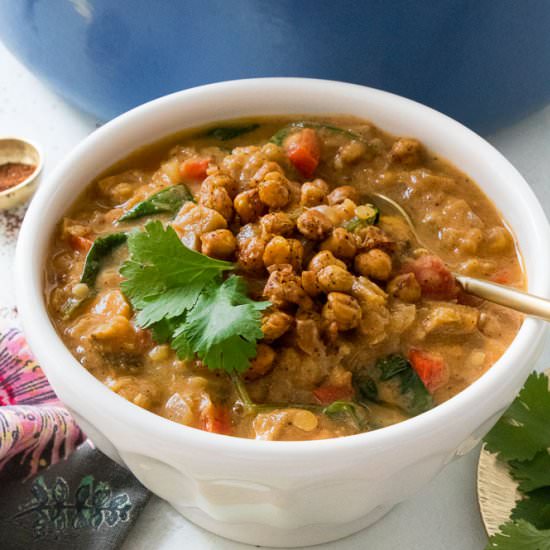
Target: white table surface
443 515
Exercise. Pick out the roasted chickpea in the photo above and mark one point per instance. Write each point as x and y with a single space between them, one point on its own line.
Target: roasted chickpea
375 264
405 287
335 278
322 259
248 205
314 192
217 198
284 287
275 324
221 179
343 310
310 283
283 251
262 363
276 223
406 151
340 194
314 225
219 244
274 190
250 254
341 243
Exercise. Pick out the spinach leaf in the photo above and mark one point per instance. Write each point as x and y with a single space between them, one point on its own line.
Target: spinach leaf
167 200
101 248
225 133
365 386
355 411
391 366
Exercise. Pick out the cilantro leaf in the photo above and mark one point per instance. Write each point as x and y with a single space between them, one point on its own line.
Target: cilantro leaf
222 328
524 429
534 508
519 535
532 474
163 277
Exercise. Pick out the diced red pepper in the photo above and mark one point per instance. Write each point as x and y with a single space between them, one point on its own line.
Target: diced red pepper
431 368
433 276
304 151
215 419
328 394
194 169
81 244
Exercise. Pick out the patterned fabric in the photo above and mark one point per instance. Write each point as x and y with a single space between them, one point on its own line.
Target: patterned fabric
58 491
35 430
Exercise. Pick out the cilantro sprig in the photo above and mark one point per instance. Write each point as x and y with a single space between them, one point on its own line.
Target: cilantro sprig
521 438
182 296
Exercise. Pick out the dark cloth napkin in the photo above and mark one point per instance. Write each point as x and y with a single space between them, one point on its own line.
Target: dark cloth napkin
57 492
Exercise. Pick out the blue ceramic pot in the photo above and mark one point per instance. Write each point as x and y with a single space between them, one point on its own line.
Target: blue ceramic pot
484 62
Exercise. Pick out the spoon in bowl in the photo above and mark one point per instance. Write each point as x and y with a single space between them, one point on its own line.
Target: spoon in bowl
493 292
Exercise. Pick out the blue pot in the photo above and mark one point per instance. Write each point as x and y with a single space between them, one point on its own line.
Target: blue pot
483 62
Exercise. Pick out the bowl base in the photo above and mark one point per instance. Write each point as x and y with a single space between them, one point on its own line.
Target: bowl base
265 535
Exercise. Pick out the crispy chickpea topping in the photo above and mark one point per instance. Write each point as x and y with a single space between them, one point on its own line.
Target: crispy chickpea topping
341 243
343 310
277 223
273 190
334 278
375 264
275 324
248 205
406 151
283 251
314 225
324 258
310 283
314 193
217 198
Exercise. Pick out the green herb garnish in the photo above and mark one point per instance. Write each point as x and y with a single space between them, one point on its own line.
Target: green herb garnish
166 201
225 133
521 438
181 295
101 248
347 408
366 214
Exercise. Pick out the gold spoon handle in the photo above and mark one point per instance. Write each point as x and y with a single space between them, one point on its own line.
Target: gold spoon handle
506 296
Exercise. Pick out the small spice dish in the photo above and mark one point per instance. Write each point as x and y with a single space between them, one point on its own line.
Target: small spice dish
20 167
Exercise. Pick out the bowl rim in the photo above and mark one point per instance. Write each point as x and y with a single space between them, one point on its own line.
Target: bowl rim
45 341
37 170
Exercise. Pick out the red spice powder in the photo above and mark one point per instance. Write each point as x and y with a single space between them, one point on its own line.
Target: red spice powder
13 173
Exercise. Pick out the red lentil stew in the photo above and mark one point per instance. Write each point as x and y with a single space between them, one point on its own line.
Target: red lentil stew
241 279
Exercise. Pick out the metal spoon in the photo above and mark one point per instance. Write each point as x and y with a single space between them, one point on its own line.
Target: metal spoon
493 292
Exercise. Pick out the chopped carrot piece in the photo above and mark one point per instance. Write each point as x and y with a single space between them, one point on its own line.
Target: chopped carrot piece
215 419
431 368
194 169
328 394
81 244
502 276
304 151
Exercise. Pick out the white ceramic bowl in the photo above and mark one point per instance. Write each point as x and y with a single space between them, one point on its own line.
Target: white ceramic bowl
281 493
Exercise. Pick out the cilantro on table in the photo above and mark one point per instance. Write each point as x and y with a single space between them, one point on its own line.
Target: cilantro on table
522 438
182 296
524 429
520 535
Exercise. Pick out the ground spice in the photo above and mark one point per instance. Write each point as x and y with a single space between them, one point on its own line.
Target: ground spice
13 173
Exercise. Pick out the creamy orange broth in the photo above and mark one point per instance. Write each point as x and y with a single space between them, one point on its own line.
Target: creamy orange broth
373 295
